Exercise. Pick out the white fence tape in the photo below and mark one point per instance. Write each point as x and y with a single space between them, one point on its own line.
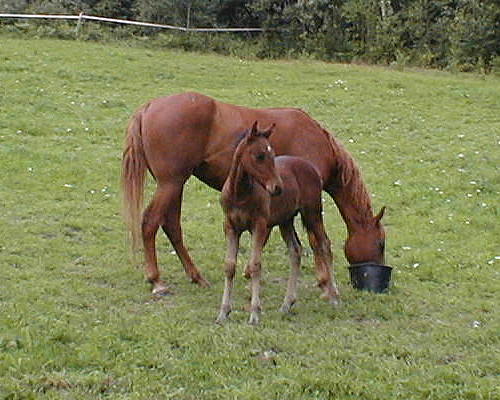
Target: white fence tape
128 22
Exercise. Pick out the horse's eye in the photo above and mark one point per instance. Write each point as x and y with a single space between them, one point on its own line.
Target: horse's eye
381 246
260 156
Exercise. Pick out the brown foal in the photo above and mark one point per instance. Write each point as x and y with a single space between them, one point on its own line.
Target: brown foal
263 191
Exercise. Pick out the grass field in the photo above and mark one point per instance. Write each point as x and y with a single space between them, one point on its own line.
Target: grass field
76 317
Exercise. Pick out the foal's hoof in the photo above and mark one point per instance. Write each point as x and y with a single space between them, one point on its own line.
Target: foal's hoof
254 319
335 302
221 319
286 308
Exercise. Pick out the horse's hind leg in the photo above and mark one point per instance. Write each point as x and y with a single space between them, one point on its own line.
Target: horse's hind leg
171 225
164 210
292 241
151 220
323 259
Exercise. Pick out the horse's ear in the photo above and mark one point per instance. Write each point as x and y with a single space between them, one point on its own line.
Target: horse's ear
266 133
379 216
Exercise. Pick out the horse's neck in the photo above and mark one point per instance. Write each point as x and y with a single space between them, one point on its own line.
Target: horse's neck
353 202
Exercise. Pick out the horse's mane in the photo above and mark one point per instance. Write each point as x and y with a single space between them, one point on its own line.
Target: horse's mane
348 181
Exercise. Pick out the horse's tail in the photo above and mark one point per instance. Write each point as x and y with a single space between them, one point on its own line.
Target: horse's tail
134 166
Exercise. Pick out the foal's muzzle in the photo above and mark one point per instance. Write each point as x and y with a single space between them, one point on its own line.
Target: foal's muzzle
276 191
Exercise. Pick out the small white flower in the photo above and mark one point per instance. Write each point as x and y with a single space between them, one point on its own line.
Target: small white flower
68 185
406 248
431 221
476 324
416 265
397 183
461 155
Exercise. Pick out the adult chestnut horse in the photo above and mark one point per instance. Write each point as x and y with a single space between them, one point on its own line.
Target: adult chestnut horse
188 134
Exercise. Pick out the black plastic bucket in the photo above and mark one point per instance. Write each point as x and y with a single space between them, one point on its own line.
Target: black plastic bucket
370 276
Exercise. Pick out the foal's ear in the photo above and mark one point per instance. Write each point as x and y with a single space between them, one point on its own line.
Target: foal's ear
379 216
254 129
267 132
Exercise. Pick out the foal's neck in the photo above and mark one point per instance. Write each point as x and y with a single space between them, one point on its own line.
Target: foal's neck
239 185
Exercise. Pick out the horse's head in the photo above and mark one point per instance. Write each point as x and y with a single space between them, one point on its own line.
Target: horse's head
257 159
367 242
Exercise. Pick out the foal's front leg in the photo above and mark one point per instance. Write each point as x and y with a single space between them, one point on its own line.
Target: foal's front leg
260 234
232 240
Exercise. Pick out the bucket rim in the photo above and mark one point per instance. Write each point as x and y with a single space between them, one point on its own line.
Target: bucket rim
369 264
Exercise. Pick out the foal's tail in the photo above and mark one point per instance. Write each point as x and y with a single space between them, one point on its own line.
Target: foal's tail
133 177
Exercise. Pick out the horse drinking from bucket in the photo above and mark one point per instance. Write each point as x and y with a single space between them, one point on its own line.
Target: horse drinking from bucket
262 191
188 134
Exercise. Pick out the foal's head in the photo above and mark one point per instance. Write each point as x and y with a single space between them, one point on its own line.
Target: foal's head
255 156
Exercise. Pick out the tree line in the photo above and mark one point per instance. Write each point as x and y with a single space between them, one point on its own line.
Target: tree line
434 33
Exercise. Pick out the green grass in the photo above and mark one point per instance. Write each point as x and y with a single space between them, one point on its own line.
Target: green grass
77 320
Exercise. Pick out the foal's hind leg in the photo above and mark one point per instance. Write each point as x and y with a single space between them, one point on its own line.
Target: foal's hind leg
260 234
292 241
323 259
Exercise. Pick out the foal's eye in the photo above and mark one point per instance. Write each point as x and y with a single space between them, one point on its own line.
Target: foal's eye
260 156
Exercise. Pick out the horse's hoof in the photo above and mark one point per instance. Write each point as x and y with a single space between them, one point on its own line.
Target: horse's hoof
221 318
160 291
201 282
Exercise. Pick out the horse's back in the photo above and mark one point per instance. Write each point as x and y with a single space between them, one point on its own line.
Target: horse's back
192 133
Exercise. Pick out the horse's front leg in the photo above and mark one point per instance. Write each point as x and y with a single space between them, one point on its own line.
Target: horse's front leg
232 240
260 234
323 259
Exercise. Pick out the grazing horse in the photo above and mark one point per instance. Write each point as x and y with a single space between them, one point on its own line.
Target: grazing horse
188 134
262 191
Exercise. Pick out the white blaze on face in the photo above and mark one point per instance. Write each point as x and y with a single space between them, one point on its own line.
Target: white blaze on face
269 149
